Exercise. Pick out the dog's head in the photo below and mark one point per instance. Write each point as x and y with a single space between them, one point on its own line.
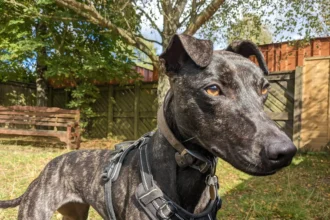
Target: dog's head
218 99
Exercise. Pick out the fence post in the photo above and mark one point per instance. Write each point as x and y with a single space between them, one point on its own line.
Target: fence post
110 110
297 106
136 109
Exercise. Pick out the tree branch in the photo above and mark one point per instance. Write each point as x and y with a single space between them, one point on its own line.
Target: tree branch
90 13
145 62
146 39
13 2
153 24
203 17
183 21
178 10
52 17
193 11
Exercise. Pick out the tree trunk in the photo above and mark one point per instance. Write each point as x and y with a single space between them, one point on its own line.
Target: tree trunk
41 92
163 83
41 83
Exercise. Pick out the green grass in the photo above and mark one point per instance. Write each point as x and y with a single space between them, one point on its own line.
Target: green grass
301 191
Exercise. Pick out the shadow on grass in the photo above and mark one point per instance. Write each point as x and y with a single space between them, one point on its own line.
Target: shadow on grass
300 191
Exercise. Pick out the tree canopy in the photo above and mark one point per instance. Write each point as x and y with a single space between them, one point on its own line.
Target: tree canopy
44 43
206 18
74 48
250 27
127 21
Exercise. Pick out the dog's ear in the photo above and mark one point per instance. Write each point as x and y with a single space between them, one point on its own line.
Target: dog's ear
247 48
184 47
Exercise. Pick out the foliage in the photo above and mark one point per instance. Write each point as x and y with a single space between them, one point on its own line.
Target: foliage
286 20
208 19
141 59
250 27
83 96
38 40
16 98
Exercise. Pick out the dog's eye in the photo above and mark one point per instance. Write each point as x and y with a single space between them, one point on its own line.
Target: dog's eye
264 90
213 90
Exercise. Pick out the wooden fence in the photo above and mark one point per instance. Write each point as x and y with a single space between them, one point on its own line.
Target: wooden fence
15 93
315 104
127 112
287 56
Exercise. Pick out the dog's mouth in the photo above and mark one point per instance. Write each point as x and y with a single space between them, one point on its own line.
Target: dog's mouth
244 165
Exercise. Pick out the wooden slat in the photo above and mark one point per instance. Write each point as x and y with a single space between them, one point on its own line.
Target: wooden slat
111 103
14 122
36 118
149 86
297 107
136 110
38 109
280 77
149 114
50 115
281 116
124 114
288 72
281 95
33 133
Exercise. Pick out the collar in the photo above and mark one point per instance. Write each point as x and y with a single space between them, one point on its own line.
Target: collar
183 156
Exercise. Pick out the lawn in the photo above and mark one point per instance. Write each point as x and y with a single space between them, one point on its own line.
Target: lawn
301 191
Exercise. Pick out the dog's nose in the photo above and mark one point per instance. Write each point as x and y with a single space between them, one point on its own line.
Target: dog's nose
280 154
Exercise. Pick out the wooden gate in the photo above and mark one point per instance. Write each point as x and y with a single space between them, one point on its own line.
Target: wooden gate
280 103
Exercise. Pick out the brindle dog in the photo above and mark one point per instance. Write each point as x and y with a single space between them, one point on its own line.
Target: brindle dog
216 108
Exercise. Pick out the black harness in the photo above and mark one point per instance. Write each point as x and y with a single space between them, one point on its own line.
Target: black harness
154 202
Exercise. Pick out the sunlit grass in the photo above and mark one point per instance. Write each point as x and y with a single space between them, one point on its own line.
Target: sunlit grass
299 192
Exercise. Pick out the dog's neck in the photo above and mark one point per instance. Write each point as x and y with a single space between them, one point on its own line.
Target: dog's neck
185 186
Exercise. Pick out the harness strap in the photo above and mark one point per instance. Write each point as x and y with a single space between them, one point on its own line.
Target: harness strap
150 197
108 200
111 172
159 206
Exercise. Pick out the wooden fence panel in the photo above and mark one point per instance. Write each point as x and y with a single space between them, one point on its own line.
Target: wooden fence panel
123 112
131 110
58 98
97 127
287 56
13 93
315 113
280 102
148 107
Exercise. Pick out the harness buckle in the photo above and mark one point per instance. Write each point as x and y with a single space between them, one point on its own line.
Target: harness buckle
166 211
212 182
183 159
